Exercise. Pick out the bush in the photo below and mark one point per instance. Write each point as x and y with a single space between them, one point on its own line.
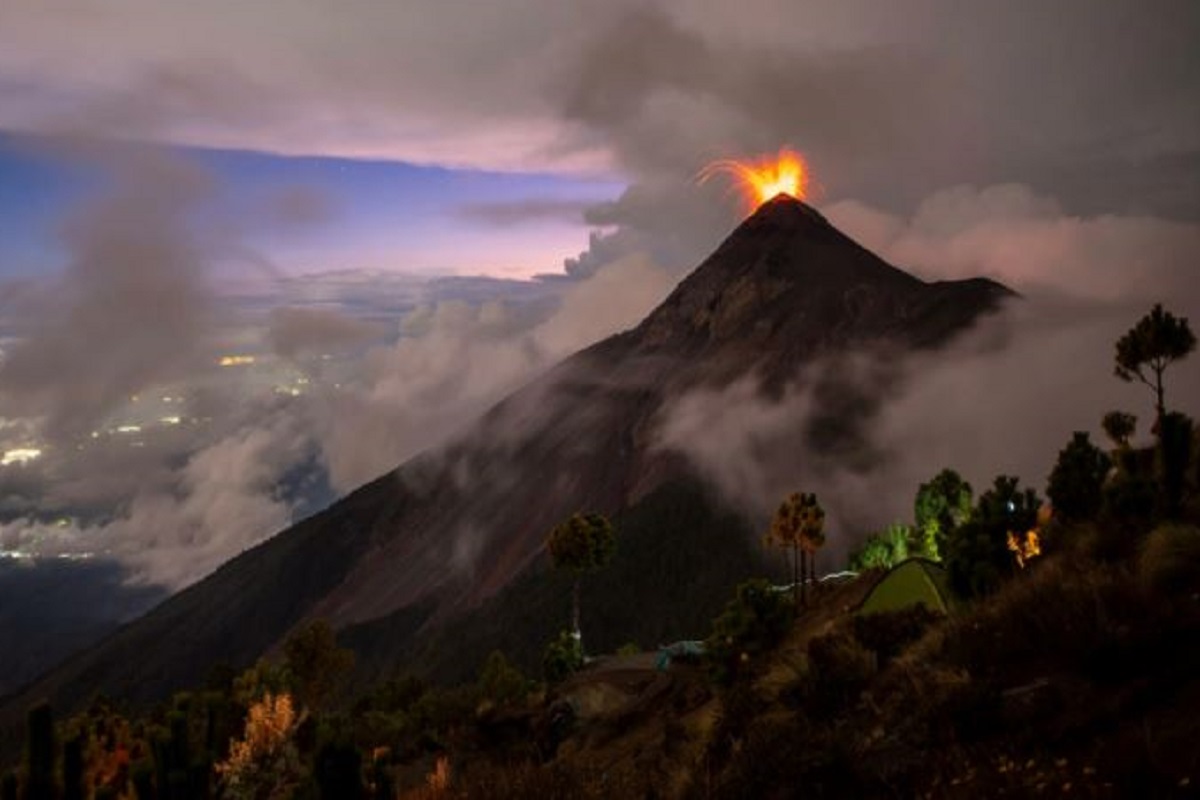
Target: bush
889 632
1060 616
1171 460
563 656
1129 500
500 682
1076 483
754 622
976 554
885 549
1170 559
840 668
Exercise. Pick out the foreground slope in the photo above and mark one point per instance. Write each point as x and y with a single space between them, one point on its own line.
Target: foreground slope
450 536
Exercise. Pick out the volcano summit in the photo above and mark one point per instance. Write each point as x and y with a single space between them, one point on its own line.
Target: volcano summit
441 560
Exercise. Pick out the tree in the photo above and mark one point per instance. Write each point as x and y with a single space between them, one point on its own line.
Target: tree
315 663
500 682
337 769
72 768
265 761
562 657
798 526
40 755
1077 480
1171 463
885 549
582 543
941 505
1120 427
977 556
812 535
1158 339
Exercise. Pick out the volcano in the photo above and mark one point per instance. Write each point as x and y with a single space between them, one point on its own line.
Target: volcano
441 560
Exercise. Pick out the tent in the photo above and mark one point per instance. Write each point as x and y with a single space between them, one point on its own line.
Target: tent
681 651
917 580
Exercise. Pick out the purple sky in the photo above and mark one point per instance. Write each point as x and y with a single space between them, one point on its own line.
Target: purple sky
428 138
310 214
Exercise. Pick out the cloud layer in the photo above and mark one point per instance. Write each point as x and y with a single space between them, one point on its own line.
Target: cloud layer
1091 103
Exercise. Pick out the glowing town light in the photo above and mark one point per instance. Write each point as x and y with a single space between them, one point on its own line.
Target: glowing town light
19 455
236 361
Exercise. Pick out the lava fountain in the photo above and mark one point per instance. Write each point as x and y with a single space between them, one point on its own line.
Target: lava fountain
762 179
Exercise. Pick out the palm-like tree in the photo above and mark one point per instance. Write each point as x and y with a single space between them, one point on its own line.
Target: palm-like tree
798 526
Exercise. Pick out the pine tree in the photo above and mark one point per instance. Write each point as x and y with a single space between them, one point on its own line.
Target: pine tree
1158 339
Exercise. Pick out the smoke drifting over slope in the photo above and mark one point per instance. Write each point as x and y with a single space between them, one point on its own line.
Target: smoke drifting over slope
1002 400
458 360
138 312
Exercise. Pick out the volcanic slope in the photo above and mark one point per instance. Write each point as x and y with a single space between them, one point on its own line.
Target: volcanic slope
443 557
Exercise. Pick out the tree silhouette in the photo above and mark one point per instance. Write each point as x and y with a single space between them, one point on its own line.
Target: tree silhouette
40 754
798 526
1077 480
977 557
1158 339
582 543
1120 427
315 663
941 505
1171 462
812 535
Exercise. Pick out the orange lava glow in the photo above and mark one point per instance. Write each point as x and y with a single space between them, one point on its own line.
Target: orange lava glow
760 180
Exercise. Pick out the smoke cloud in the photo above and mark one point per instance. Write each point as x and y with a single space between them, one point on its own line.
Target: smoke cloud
457 360
1001 399
295 332
129 310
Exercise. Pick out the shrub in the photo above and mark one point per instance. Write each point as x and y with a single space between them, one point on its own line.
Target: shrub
1129 499
1061 616
754 622
976 553
563 656
889 632
885 549
500 682
1170 558
1076 483
265 759
840 668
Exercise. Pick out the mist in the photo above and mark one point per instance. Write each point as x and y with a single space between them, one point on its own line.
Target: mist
1003 398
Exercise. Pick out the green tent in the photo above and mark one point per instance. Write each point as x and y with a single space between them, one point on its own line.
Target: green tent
917 580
